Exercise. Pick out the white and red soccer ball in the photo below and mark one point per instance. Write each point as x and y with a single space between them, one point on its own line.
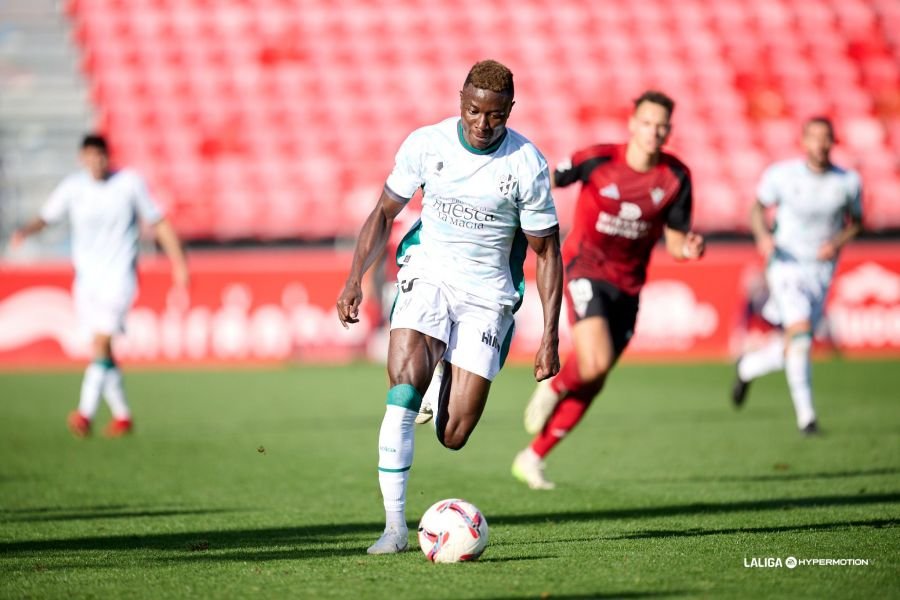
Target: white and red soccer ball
452 531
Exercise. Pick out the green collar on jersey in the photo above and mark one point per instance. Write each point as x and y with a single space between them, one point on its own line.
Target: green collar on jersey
462 140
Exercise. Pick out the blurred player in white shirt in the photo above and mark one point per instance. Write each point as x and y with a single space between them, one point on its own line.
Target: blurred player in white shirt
818 209
486 199
103 208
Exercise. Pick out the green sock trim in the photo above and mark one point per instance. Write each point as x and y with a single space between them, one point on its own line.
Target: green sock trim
405 396
404 469
801 335
106 363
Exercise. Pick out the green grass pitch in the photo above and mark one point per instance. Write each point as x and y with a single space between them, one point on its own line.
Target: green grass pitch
263 484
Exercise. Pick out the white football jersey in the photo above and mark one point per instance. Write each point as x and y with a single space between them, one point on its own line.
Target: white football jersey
473 208
104 224
810 207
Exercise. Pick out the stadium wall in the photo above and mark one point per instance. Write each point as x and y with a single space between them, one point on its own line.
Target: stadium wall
264 308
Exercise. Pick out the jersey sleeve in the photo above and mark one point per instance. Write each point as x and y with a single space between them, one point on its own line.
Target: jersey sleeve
679 215
147 209
767 190
578 168
406 176
537 213
57 204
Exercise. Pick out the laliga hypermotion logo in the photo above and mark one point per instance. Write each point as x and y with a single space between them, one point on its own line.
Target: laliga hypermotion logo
865 311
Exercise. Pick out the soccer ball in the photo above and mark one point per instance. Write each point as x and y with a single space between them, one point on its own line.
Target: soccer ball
453 531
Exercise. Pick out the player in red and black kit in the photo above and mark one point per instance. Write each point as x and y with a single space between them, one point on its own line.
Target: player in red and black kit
631 195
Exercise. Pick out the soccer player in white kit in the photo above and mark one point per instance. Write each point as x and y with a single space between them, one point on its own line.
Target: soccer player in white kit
817 211
103 208
486 200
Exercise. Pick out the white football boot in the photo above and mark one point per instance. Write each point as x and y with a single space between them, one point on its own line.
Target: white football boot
392 541
430 399
529 469
540 407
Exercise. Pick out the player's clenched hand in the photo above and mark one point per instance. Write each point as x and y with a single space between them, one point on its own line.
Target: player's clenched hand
348 304
694 246
765 246
827 251
546 362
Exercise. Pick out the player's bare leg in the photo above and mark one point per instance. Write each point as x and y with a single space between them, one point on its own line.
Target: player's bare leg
797 349
461 401
412 357
580 380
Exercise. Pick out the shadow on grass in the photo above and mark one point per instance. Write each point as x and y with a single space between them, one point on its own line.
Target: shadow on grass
836 526
600 595
349 539
699 508
54 509
779 476
107 514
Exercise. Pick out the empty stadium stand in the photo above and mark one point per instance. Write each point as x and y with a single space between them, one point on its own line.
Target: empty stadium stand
273 119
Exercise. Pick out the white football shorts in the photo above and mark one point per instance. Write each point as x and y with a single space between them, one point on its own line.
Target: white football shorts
102 310
797 291
474 329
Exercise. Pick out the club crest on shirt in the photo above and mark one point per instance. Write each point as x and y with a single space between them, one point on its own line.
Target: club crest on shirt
657 194
506 185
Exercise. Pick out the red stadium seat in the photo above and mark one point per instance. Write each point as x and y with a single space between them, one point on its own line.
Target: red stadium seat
257 100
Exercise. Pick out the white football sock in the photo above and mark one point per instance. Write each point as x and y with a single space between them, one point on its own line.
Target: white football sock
395 455
797 369
90 390
114 392
766 359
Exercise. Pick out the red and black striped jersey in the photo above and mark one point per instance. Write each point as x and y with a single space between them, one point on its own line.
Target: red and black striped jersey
620 213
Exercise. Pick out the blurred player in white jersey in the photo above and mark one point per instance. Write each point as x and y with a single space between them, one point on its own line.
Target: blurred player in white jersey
103 208
486 200
818 210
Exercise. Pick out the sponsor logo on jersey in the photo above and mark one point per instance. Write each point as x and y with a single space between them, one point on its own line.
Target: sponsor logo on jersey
629 211
458 213
611 191
626 224
657 194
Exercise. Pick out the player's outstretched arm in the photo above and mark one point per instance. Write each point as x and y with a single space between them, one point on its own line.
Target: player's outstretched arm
764 242
830 249
171 245
549 284
370 245
684 245
34 226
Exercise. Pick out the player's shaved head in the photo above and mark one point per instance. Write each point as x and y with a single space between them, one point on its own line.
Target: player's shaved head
96 141
655 97
491 75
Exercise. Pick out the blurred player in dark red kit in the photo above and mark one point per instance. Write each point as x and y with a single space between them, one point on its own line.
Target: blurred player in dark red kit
631 195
